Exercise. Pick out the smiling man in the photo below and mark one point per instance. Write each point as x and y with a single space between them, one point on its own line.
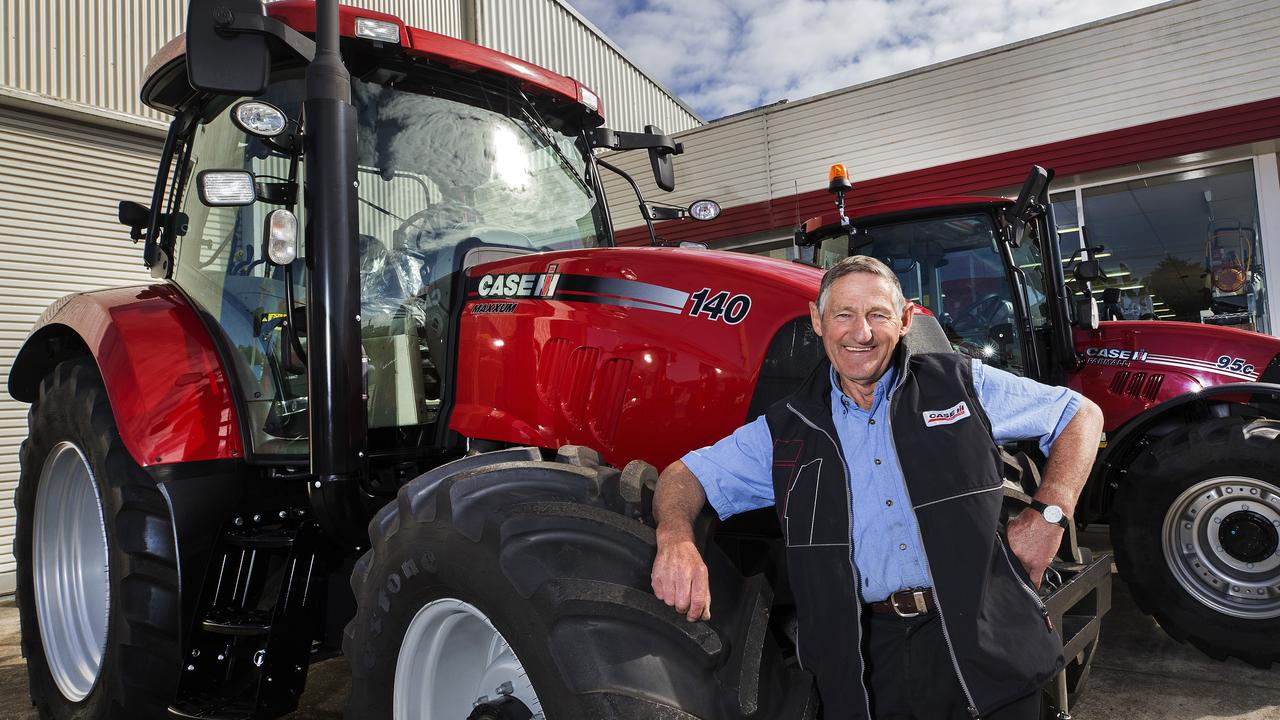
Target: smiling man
913 600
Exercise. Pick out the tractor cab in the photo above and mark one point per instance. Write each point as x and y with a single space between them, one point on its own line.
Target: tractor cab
461 158
982 266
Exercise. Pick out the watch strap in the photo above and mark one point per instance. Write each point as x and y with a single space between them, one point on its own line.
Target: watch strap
1064 522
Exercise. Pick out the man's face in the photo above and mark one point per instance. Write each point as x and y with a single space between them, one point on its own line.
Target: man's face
859 328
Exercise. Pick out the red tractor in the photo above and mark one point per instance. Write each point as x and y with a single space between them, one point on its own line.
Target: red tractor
1189 473
372 435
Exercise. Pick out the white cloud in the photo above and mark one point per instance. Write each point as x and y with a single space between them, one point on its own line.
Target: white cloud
723 57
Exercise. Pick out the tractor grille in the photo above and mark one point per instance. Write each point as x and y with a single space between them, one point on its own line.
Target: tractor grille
1141 385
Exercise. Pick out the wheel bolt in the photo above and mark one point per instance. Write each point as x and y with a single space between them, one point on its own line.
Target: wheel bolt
505 688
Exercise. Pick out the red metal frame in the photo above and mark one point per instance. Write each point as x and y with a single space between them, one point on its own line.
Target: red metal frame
457 54
168 390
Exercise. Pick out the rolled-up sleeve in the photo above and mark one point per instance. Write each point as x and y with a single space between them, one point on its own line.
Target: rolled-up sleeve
737 472
1023 409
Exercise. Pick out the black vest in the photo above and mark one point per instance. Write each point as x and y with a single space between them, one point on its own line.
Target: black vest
996 627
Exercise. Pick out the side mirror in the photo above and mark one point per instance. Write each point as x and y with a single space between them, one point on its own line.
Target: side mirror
1089 271
1027 205
134 216
220 60
664 167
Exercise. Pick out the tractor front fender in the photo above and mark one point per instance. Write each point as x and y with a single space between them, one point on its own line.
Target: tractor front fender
1158 421
168 390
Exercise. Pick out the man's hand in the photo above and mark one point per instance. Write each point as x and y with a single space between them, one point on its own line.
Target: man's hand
679 574
1034 541
680 577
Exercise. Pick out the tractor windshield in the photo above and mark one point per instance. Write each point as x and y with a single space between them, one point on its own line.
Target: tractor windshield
953 267
446 168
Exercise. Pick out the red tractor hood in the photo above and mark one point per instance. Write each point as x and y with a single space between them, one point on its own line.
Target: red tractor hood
1130 366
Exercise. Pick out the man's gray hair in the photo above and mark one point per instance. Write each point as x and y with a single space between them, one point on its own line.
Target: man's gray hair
860 264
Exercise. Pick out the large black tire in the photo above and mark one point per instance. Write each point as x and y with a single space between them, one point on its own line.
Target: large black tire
545 551
1190 495
140 660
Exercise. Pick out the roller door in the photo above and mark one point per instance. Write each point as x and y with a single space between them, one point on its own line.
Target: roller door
60 180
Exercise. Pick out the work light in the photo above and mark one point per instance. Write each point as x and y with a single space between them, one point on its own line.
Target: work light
281 234
222 188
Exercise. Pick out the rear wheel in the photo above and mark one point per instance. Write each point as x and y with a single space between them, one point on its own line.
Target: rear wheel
1197 536
511 589
97 581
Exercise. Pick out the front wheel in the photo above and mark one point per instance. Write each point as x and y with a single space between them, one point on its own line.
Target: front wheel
512 589
1197 536
98 579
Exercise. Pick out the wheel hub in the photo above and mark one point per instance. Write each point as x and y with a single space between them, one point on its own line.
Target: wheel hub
505 708
1222 544
452 661
1247 536
69 571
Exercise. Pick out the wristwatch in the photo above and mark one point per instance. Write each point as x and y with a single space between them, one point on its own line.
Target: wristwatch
1051 513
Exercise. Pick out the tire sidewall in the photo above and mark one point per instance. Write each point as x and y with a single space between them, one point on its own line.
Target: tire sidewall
66 413
1157 479
435 570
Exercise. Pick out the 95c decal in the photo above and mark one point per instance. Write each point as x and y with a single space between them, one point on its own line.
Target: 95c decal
720 306
1235 364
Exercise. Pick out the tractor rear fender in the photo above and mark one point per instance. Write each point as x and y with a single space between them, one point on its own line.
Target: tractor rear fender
1129 440
168 390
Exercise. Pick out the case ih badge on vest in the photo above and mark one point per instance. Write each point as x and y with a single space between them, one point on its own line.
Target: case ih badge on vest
946 417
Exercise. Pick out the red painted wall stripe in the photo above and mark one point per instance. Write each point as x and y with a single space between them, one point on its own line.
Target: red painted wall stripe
1210 130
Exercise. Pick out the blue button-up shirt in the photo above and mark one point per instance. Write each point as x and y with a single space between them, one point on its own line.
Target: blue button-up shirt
737 472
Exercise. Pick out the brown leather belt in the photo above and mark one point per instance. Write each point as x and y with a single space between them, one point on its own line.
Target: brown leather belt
906 603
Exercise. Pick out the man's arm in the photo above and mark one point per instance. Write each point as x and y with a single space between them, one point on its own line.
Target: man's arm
679 574
1032 538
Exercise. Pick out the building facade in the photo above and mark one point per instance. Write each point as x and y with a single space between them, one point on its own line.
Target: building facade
1162 125
75 140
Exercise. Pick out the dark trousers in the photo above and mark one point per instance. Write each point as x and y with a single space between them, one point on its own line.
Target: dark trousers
910 675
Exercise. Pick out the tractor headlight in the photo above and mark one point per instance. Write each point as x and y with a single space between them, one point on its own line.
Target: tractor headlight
281 235
223 188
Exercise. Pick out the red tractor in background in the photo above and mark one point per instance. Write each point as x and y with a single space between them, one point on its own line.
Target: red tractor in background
373 435
1188 475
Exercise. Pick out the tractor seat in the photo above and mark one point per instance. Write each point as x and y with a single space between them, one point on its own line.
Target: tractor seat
927 336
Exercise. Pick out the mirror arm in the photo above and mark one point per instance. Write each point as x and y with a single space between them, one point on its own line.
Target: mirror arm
301 45
607 139
653 236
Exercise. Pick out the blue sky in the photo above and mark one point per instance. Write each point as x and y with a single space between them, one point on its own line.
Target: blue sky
726 56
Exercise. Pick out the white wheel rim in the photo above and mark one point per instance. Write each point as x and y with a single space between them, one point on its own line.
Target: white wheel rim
69 570
1194 550
453 658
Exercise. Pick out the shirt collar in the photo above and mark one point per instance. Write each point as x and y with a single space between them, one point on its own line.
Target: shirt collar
883 386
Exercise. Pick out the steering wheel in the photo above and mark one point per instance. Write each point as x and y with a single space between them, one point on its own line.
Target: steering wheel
432 222
990 310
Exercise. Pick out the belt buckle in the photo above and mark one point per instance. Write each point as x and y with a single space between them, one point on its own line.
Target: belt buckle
918 597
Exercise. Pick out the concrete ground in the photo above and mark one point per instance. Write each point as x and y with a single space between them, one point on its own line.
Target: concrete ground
1138 674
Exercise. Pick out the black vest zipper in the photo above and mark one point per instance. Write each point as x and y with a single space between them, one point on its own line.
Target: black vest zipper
857 578
937 599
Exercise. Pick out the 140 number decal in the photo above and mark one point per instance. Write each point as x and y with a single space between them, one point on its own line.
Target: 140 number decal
720 306
1226 362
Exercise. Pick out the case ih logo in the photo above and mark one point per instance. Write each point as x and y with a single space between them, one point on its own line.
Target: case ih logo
520 284
1113 356
955 414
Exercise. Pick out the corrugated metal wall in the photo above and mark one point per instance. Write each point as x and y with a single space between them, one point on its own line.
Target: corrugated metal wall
1172 61
59 233
547 33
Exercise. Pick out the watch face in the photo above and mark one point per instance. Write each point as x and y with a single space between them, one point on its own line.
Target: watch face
1053 513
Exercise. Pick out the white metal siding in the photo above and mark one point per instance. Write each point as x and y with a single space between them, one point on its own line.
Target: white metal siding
1175 60
546 33
58 228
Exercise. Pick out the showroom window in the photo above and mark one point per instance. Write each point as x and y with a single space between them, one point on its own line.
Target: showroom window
1177 246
